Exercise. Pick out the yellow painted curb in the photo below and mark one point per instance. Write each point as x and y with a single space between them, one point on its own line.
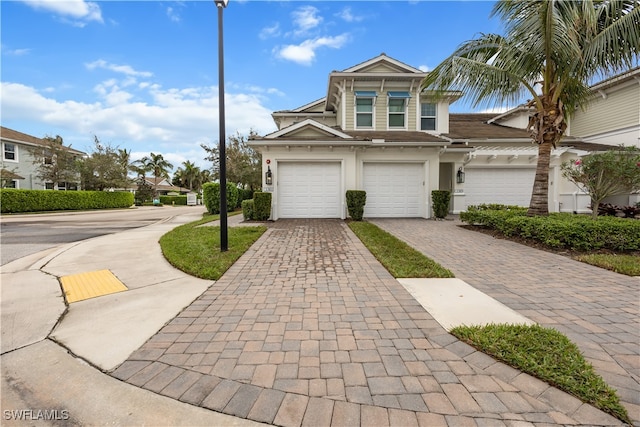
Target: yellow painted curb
78 287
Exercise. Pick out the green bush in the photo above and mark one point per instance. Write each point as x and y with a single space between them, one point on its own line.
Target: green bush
16 201
211 197
356 200
440 199
245 194
262 205
174 200
559 230
247 210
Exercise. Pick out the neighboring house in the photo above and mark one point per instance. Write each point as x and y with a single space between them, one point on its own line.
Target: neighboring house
613 115
377 131
164 186
18 169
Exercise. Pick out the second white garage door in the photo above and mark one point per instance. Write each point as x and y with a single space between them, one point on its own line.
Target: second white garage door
394 190
498 185
309 190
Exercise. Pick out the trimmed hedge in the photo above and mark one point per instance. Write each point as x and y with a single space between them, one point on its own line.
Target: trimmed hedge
174 200
356 200
16 201
440 199
247 210
211 197
262 205
559 230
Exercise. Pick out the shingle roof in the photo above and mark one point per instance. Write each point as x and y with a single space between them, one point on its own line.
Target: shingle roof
475 126
14 135
396 136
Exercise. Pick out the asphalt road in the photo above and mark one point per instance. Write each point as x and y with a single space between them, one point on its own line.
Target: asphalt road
22 235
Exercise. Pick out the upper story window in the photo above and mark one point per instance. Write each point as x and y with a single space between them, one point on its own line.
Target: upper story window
427 116
10 152
365 102
398 102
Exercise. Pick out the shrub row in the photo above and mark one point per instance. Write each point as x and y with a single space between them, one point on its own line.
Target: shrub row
16 201
174 200
559 230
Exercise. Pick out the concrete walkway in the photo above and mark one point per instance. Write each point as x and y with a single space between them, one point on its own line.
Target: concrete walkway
307 328
597 309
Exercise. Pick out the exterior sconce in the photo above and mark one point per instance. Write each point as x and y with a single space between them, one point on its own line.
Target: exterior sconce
460 176
268 176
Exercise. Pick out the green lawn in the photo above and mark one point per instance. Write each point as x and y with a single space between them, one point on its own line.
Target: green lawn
400 259
196 250
546 354
620 263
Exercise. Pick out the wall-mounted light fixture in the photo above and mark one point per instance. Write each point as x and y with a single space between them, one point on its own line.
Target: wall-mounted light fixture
268 176
460 176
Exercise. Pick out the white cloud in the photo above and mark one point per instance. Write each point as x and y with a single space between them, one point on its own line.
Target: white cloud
79 11
305 52
124 69
173 14
171 121
305 18
424 68
346 15
268 32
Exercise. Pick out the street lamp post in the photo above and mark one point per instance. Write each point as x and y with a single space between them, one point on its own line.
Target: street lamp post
224 237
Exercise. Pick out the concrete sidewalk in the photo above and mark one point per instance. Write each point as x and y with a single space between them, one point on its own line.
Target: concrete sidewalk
307 328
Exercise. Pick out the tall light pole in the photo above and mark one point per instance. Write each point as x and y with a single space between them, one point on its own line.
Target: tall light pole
224 236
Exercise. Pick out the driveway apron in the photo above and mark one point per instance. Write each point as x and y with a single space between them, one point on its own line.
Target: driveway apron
307 328
597 309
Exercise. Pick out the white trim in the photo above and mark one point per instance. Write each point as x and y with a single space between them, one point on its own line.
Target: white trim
304 123
16 158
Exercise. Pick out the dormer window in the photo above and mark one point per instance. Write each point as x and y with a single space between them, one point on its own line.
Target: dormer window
427 116
397 107
365 101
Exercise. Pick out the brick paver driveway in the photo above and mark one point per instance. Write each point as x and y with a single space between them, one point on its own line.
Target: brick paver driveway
598 309
307 328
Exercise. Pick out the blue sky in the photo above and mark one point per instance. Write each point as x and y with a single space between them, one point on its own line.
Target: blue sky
143 75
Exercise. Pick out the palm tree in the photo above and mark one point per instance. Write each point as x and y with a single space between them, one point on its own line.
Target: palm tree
190 174
156 164
551 52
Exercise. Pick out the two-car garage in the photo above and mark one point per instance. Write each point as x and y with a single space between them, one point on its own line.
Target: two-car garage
316 190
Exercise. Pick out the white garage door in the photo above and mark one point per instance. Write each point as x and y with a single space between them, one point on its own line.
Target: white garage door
394 189
309 190
506 186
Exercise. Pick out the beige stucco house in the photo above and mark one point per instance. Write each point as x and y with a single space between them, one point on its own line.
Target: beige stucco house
376 130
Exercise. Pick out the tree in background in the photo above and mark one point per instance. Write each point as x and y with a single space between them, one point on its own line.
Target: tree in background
551 51
243 162
54 162
188 175
106 167
157 165
607 174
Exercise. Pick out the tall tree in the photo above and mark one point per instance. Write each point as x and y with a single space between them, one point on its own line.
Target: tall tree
105 167
243 162
551 52
157 165
54 161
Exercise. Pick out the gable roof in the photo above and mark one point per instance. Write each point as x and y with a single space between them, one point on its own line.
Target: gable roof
381 68
313 130
11 135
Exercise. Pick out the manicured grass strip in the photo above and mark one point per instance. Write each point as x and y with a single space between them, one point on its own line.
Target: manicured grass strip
400 259
546 354
623 264
196 250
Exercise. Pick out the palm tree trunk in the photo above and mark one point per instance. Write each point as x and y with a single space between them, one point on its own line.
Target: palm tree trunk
539 204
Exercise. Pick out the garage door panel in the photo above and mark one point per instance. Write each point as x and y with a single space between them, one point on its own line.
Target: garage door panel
498 185
393 189
309 190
